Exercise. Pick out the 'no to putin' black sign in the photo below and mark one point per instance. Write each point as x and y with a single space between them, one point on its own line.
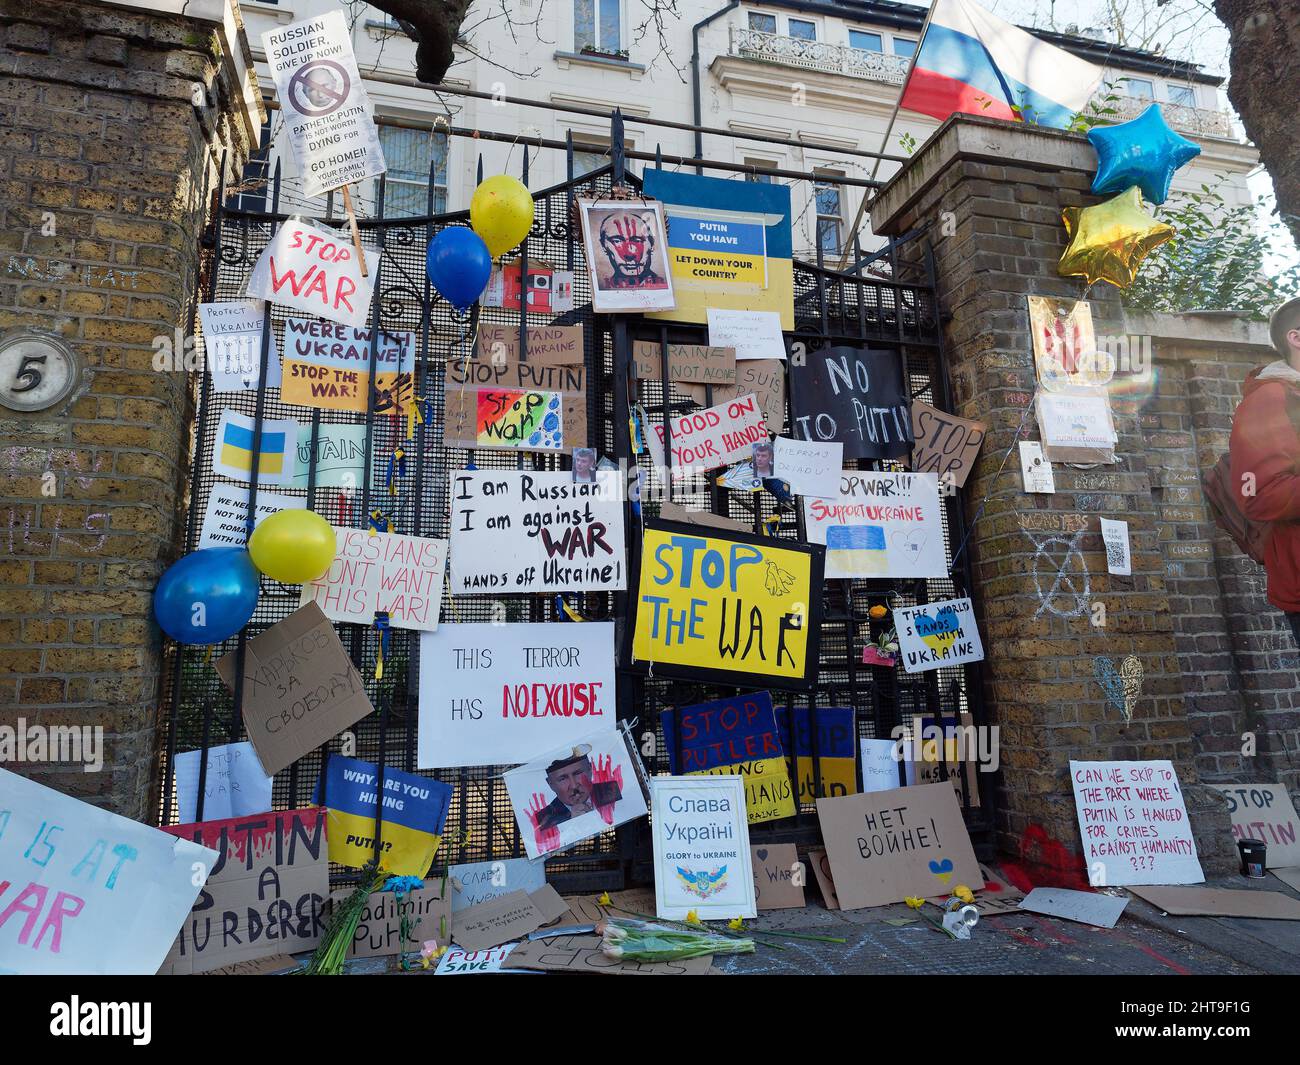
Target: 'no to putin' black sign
855 396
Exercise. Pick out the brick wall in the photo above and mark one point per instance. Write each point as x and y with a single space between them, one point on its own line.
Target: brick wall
103 162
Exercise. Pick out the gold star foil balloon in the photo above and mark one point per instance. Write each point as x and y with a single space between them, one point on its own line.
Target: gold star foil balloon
1108 241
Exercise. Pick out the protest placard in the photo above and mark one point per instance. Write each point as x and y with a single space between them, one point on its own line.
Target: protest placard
234 784
266 892
509 916
727 607
460 962
945 445
323 102
476 882
810 468
1035 470
881 525
1065 344
225 514
379 930
582 954
1265 812
327 365
886 845
854 395
626 252
84 891
545 291
779 876
1076 427
824 747
959 762
701 848
517 417
1134 824
938 634
339 455
880 764
232 345
525 531
232 454
706 439
372 573
315 270
821 867
576 791
687 363
737 737
497 694
414 812
762 378
300 687
547 345
752 334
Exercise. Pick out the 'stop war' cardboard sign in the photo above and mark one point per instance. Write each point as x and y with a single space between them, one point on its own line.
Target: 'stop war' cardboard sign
727 607
853 395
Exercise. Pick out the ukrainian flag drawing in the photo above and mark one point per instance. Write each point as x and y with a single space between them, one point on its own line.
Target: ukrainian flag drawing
856 549
236 448
940 632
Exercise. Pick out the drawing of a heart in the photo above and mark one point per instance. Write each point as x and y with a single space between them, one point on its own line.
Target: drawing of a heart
1123 687
943 869
762 854
908 543
939 632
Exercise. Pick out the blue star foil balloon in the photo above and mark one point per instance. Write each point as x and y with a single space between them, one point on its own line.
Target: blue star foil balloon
1144 152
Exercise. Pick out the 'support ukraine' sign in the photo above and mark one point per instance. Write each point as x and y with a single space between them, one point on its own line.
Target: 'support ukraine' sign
882 525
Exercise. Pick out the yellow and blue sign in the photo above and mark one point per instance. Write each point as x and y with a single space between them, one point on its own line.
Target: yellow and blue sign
824 733
729 245
414 813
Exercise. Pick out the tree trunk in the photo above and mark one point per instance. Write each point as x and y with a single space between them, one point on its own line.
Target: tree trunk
433 25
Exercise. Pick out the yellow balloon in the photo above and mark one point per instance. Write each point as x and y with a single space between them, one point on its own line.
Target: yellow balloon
293 546
501 212
1109 240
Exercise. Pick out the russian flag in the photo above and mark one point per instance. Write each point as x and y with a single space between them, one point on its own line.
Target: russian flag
973 62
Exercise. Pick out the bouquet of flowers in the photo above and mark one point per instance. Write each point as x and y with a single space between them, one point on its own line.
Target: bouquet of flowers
633 940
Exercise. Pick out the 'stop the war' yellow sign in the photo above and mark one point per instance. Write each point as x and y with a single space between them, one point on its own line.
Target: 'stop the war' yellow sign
727 607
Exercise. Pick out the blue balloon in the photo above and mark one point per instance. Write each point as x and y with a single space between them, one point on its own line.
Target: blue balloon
459 265
1144 152
222 581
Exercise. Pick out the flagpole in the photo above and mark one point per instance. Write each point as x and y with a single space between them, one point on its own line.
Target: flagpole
862 204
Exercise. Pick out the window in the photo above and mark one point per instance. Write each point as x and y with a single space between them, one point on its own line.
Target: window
596 26
830 214
256 178
761 22
409 153
757 178
1183 95
867 42
590 153
1139 87
904 46
803 30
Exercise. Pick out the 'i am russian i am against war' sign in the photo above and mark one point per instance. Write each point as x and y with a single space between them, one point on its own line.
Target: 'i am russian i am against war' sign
727 607
938 634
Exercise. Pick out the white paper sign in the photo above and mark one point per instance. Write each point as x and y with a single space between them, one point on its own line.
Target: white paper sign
315 270
881 525
1075 421
499 694
232 454
937 634
715 436
1114 535
323 102
86 892
225 515
809 467
701 848
879 765
382 572
525 531
460 962
477 882
1035 469
1134 824
1086 907
232 345
754 334
340 456
234 785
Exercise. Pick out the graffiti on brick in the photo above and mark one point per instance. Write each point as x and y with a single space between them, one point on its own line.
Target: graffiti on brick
1060 575
1122 685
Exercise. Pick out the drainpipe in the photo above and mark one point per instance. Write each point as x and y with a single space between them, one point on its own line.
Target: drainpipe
695 77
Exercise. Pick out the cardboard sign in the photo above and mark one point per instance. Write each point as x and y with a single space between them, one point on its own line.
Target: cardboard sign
511 916
1119 558
703 440
1076 428
327 365
736 737
414 808
339 456
233 785
1221 902
582 954
1035 470
1085 907
762 378
809 468
945 444
513 375
887 845
713 606
958 763
701 848
275 965
232 453
232 345
881 525
752 334
821 866
576 791
824 741
687 363
854 395
706 519
266 890
530 531
84 891
1134 824
778 876
498 694
626 250
315 270
300 687
225 514
373 573
460 962
379 931
938 634
1265 812
880 764
518 419
549 345
323 102
477 882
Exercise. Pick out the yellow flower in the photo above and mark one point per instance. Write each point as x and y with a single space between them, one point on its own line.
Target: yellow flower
914 902
693 917
736 924
878 611
964 893
604 899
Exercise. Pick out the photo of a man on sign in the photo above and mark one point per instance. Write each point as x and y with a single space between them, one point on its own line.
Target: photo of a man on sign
626 255
578 790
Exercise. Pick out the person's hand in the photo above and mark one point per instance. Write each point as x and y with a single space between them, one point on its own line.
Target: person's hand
604 774
547 838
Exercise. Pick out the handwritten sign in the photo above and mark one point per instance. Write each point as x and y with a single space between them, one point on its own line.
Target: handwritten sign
737 737
706 439
266 891
536 532
823 744
225 514
315 270
327 366
551 345
779 876
460 962
753 334
1076 428
945 444
379 930
1035 470
84 891
762 378
687 363
1265 812
880 763
373 573
497 694
714 605
233 785
1134 824
881 525
938 634
476 882
808 467
232 345
853 395
339 456
701 848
